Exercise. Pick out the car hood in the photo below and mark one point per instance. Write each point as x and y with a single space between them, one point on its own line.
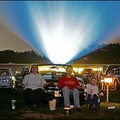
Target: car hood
5 77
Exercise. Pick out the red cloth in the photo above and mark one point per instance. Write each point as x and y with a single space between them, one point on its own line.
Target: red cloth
71 82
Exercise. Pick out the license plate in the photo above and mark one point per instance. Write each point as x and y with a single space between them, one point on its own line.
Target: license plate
48 76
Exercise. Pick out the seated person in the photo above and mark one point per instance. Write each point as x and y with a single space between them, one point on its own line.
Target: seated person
4 73
70 85
33 85
92 91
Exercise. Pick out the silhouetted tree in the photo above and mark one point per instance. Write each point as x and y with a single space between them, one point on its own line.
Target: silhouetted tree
8 56
108 54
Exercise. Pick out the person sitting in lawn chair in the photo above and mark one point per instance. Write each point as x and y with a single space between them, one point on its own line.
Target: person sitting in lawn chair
33 85
70 86
92 94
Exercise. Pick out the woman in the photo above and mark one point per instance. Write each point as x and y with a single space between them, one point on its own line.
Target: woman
34 84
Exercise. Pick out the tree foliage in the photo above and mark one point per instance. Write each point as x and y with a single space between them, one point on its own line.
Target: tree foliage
9 56
109 54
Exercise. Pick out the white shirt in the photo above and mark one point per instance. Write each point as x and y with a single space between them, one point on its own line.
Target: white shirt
33 81
92 89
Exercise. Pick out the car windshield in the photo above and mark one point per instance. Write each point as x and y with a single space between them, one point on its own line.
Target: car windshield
4 72
86 71
53 72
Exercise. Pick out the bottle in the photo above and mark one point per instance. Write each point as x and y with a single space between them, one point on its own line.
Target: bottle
13 104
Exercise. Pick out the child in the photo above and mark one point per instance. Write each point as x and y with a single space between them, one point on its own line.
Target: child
92 91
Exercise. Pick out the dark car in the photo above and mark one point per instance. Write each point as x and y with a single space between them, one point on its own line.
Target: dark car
25 71
20 76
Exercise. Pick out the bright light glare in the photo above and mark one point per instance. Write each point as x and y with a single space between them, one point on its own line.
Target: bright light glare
97 69
43 68
62 38
108 80
79 70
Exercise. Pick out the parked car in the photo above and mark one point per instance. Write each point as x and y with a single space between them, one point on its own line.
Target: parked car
114 74
20 76
109 68
7 80
25 71
86 74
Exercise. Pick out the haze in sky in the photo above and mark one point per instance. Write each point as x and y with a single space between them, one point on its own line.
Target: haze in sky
59 29
9 41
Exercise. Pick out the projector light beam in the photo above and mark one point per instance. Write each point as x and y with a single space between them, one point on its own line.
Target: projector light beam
62 38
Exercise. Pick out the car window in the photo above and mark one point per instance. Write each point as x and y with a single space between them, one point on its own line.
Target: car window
117 72
4 72
52 72
110 72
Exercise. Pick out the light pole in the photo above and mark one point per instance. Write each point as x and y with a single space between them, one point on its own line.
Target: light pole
107 80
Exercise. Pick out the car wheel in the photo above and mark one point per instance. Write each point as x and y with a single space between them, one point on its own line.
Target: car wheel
116 86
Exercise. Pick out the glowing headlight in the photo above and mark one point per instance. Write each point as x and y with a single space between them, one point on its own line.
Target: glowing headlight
5 80
108 80
102 80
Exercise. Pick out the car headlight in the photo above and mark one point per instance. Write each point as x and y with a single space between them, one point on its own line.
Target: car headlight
5 80
102 80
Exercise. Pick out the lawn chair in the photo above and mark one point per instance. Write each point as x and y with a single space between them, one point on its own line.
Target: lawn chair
86 99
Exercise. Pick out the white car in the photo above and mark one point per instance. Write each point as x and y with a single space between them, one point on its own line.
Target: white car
7 80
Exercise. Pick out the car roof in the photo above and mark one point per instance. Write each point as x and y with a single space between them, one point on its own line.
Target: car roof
116 68
4 68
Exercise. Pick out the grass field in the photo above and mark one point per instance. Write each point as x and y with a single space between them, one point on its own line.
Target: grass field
44 113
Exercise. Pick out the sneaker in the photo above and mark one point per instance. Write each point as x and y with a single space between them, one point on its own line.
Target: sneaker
67 106
71 106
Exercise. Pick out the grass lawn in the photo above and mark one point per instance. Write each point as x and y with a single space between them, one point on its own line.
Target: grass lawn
44 113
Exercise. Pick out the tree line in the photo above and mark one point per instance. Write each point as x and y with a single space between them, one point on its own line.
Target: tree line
10 56
110 54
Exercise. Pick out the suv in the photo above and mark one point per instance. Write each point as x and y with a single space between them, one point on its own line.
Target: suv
7 80
115 75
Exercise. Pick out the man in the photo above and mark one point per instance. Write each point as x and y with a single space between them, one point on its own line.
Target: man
70 86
